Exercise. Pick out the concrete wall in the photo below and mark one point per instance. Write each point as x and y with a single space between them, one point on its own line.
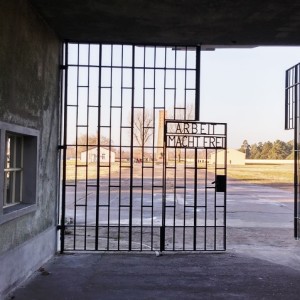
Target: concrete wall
29 90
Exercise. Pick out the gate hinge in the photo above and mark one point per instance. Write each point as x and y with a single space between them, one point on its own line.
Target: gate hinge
63 67
61 147
59 227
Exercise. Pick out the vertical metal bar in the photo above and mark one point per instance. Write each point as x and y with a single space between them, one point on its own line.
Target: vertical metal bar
163 225
185 81
87 149
60 133
164 190
296 128
215 204
120 146
109 166
287 102
63 196
185 197
175 178
185 170
76 152
174 198
195 199
205 201
153 151
225 193
142 150
131 154
198 70
98 151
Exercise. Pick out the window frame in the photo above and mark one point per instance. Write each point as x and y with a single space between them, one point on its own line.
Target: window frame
28 198
14 168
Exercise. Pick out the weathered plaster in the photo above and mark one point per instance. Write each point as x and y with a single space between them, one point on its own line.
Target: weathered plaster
29 96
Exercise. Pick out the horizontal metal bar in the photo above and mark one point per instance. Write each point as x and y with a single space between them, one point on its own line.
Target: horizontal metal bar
13 169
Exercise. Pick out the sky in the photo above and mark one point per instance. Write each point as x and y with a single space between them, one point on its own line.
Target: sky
245 89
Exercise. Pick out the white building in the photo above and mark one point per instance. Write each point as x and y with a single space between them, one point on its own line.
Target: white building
234 157
91 155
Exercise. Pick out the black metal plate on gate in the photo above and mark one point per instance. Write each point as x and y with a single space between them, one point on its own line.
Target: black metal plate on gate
221 183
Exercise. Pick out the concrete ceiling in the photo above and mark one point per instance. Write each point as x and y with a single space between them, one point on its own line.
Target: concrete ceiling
228 23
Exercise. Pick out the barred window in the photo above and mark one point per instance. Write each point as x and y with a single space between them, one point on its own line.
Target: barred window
18 170
13 171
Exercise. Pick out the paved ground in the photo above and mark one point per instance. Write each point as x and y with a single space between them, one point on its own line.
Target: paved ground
262 261
205 276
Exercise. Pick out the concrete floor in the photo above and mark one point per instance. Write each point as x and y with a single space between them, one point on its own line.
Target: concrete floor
262 261
172 276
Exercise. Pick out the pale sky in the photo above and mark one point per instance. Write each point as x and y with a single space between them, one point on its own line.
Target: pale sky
241 87
245 89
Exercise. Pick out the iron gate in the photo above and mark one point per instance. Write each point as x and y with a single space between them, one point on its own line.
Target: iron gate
194 216
292 121
117 173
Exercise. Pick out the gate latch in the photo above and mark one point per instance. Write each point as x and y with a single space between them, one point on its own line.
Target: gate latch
220 183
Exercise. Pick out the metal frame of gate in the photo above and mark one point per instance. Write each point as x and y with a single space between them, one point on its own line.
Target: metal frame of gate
292 121
195 188
116 178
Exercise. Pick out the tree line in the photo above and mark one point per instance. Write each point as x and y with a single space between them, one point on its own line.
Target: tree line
268 150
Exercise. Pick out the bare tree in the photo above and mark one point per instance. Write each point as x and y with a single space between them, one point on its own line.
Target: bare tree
142 127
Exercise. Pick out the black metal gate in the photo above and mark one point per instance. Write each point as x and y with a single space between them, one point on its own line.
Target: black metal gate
292 121
117 174
194 216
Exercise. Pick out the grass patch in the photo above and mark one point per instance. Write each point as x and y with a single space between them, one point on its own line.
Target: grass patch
259 174
263 174
83 171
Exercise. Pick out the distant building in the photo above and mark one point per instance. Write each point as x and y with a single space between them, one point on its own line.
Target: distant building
104 156
234 157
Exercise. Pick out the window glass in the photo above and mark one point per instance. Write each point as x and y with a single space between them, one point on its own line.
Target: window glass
13 171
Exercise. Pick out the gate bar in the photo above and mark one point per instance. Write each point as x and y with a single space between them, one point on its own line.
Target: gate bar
98 153
296 154
63 193
131 153
198 69
195 197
